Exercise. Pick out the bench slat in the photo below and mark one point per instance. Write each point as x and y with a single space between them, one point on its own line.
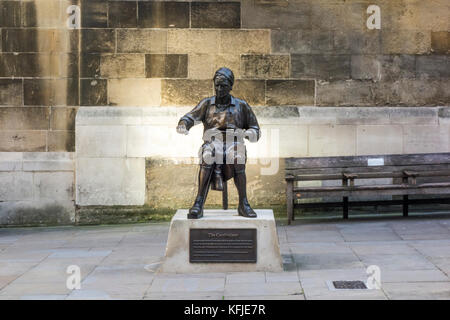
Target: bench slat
360 170
370 175
391 189
361 161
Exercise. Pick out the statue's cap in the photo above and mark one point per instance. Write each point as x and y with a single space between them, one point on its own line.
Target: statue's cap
227 73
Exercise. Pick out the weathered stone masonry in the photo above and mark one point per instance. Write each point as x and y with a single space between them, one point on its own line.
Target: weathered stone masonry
163 54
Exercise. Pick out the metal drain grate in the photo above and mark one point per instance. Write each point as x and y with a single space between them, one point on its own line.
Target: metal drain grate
349 284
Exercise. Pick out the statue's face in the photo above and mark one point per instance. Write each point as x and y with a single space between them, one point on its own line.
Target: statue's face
222 87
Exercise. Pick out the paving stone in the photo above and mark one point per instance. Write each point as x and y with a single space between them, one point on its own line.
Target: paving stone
397 261
247 277
182 296
433 250
118 274
418 290
382 247
389 276
319 247
267 297
186 285
5 280
44 297
263 289
285 276
69 254
88 295
374 234
27 289
311 236
421 236
323 294
412 269
329 261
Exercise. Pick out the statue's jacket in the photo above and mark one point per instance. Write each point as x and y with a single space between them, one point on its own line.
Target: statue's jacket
237 115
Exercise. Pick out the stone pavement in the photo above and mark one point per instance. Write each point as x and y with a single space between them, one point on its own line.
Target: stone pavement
121 262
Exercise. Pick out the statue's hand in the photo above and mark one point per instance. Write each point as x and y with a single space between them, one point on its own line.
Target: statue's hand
181 129
251 135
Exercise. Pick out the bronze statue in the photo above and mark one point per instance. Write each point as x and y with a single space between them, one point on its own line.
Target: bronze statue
227 121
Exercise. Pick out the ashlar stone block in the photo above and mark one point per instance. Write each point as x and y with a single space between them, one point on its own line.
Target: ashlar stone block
141 40
372 139
216 15
177 250
134 92
290 92
122 66
110 181
265 66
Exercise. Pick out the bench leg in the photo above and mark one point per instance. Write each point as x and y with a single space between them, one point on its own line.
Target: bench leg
405 205
290 200
345 208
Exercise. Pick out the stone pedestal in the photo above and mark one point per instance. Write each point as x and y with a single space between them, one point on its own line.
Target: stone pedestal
268 256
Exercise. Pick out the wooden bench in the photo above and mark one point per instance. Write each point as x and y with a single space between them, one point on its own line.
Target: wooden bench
404 169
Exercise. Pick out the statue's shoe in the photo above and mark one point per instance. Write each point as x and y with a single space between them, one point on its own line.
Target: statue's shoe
246 211
196 211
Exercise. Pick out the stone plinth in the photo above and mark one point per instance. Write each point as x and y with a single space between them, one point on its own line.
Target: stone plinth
177 250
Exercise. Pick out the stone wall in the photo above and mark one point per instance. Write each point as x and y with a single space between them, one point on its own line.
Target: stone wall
150 53
37 188
144 53
133 155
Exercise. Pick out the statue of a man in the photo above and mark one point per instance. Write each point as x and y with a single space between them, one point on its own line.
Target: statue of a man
223 116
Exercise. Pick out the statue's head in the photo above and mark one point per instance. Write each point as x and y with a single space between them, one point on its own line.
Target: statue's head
223 82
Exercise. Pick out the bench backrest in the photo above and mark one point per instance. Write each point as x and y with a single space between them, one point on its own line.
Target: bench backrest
391 165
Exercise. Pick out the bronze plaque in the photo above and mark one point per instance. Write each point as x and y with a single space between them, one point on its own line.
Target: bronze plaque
222 245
